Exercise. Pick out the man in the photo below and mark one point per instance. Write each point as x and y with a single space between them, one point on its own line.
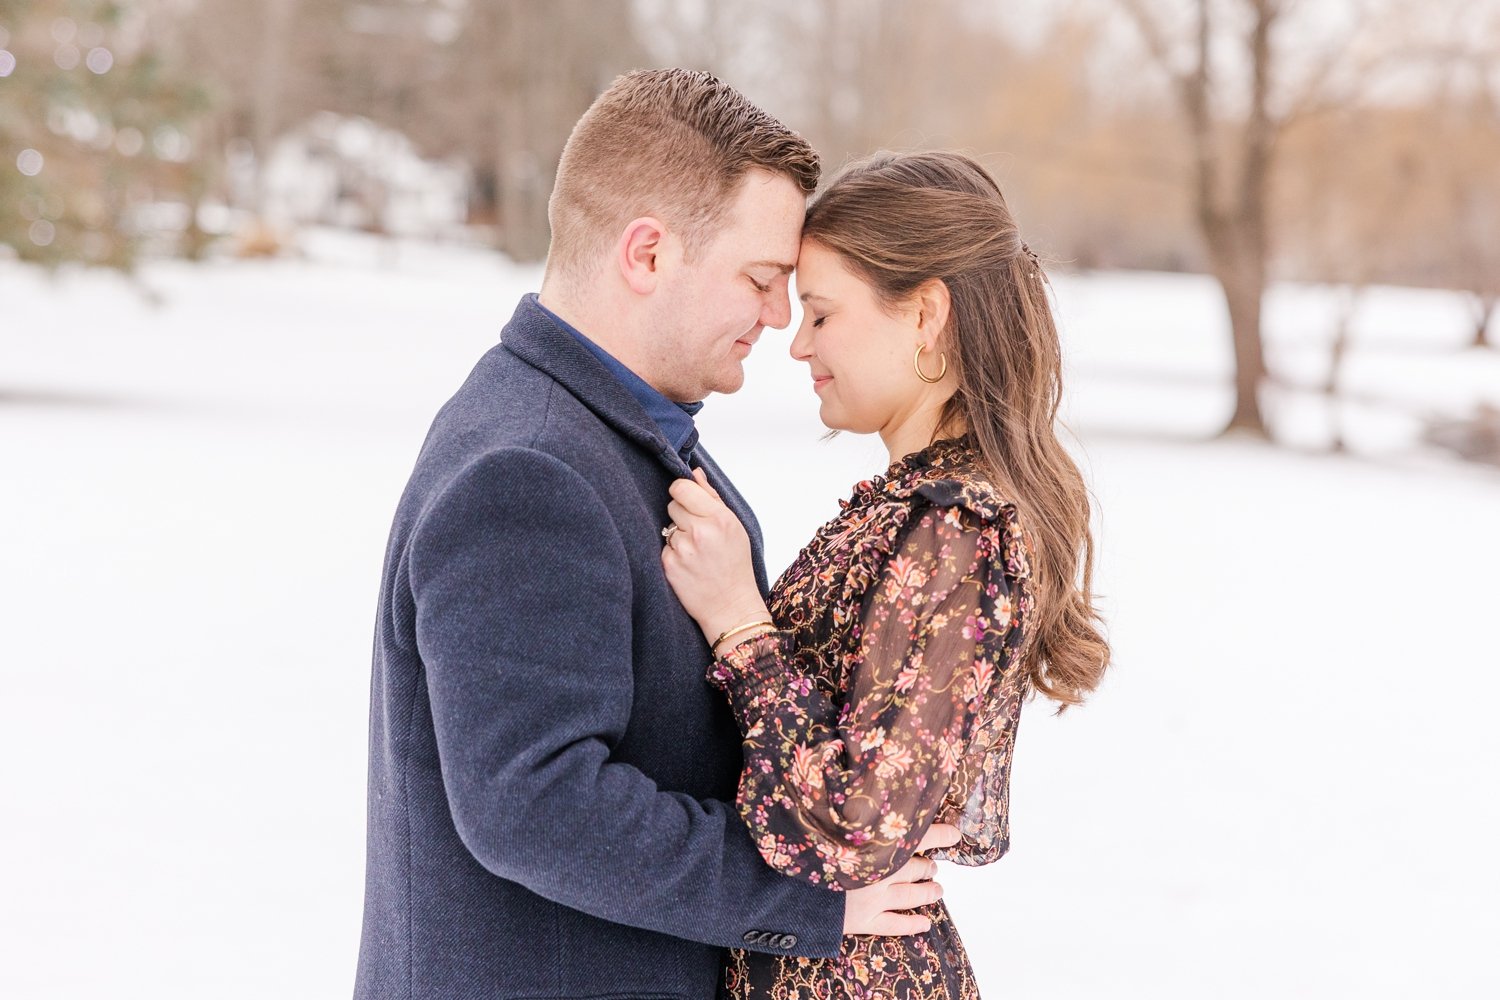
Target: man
551 778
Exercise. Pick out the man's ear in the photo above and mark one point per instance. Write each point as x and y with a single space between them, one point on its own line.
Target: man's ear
933 304
636 254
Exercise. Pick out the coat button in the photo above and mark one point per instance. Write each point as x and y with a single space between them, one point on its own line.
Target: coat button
751 936
789 940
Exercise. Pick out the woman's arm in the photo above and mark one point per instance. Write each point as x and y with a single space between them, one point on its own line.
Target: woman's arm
842 797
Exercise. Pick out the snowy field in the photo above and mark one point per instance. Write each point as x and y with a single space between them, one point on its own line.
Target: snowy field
1283 790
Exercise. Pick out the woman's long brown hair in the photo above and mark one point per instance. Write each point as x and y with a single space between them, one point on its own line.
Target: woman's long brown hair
900 220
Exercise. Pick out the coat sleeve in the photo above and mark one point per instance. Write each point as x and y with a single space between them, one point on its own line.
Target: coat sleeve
841 794
523 624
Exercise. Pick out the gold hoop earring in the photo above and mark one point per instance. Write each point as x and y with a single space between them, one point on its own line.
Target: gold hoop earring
916 362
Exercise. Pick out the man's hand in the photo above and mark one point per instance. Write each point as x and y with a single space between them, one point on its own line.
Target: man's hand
875 909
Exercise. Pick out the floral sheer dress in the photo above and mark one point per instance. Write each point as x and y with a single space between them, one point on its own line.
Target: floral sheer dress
886 700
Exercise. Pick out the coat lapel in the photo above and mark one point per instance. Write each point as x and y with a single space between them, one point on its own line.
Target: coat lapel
532 336
535 338
742 510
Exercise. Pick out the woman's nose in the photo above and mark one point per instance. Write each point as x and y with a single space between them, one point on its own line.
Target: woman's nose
801 345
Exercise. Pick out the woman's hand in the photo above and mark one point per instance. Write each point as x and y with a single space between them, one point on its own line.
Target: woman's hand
707 559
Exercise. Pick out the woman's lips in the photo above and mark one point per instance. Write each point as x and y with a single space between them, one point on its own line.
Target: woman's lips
819 381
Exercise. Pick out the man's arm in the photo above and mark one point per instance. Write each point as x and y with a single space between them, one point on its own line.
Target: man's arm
523 598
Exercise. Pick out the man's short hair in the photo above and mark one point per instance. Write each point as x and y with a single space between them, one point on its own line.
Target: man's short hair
669 143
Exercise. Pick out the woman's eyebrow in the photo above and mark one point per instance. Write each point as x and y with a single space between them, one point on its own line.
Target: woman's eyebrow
807 296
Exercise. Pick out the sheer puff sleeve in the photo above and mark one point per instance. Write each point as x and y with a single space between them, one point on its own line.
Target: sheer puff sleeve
841 794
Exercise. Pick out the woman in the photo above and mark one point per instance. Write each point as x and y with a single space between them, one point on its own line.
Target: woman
881 689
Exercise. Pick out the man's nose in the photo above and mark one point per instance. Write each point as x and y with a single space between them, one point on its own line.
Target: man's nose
777 312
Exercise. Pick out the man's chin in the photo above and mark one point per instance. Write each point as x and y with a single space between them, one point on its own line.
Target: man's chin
730 381
727 379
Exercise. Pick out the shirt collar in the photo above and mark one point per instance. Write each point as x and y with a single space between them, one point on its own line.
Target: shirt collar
675 419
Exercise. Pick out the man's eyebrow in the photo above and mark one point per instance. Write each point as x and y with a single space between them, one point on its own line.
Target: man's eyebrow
781 266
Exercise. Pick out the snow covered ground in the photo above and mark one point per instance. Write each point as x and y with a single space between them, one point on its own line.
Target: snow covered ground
1284 789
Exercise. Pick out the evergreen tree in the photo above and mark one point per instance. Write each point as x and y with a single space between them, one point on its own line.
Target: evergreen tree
94 126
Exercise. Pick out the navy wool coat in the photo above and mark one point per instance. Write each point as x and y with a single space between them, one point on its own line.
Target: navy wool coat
551 778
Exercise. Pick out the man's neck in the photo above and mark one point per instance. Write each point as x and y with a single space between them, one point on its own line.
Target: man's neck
606 334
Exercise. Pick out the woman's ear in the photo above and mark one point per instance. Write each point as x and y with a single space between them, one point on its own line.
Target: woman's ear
636 254
933 305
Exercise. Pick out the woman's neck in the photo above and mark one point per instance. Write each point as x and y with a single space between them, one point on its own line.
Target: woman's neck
918 431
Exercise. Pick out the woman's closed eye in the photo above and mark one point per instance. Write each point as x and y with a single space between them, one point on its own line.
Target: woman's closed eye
818 322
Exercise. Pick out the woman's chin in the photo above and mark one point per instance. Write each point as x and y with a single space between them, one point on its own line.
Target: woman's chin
835 421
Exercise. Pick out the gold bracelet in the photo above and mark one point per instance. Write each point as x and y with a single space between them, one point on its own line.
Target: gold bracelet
714 646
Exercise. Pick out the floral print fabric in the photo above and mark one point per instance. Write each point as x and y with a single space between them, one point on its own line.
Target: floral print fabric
886 699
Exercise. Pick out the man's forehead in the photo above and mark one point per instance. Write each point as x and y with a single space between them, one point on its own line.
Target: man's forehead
768 213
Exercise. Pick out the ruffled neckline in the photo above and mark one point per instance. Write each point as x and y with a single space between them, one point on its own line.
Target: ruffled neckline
904 474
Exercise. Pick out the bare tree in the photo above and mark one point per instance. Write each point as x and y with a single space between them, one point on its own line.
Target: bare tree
1346 210
265 68
1473 182
270 85
518 75
1232 160
1237 118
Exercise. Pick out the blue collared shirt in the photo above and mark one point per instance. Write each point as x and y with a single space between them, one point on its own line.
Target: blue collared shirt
675 419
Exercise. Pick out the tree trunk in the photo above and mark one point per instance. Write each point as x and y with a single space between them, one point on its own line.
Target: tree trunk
269 87
1242 294
1484 311
543 57
1237 255
1343 325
